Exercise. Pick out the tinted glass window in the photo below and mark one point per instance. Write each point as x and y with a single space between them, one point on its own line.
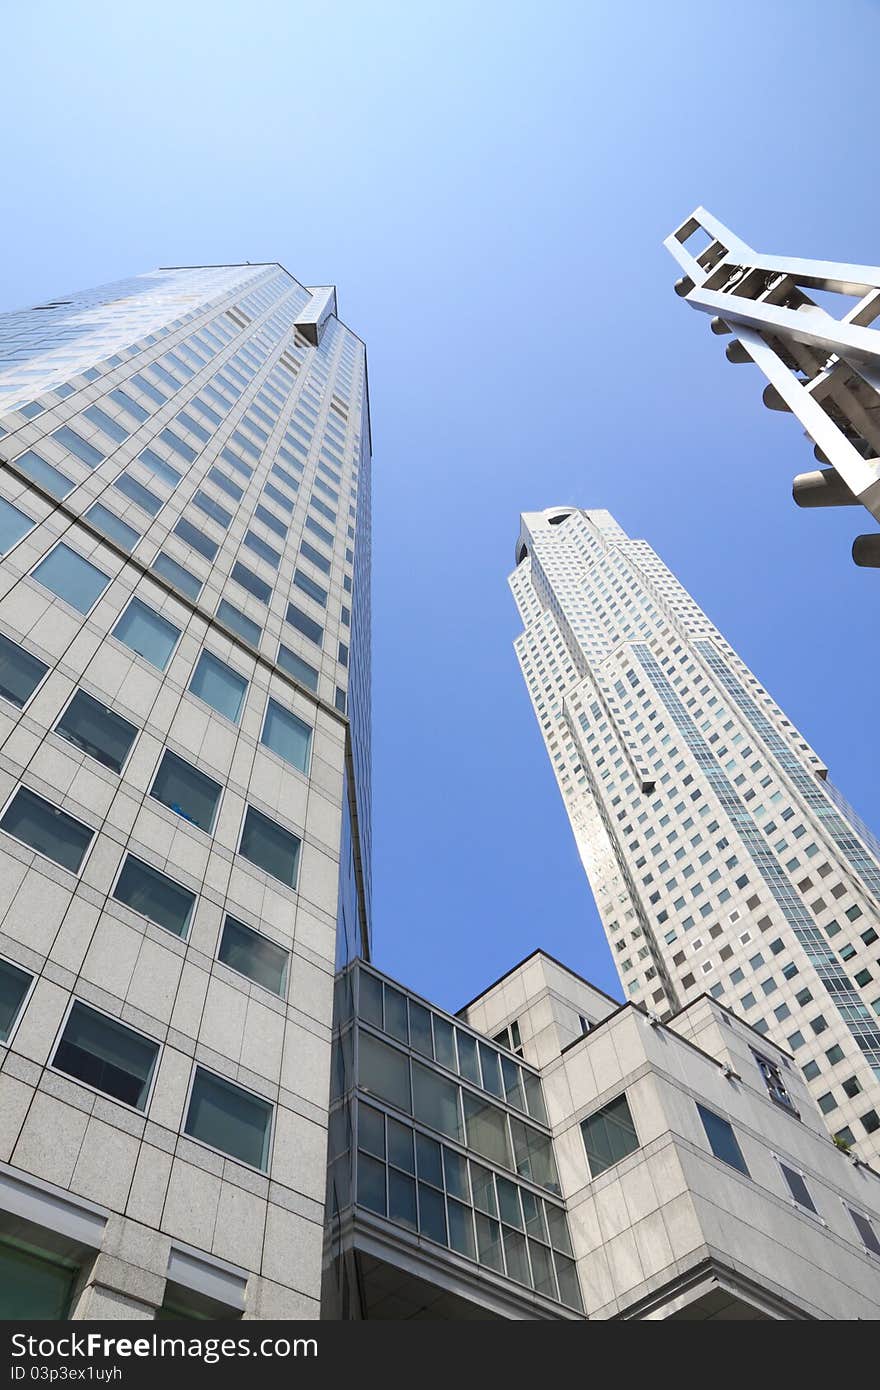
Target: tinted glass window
254 955
95 729
182 579
20 673
252 582
722 1140
192 536
609 1135
287 735
13 525
136 492
75 444
109 524
71 577
270 847
229 1119
303 672
42 473
14 985
154 895
105 1054
148 634
47 829
238 622
304 624
186 791
219 686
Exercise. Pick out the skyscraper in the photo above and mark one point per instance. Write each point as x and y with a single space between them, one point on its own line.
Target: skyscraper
185 805
721 858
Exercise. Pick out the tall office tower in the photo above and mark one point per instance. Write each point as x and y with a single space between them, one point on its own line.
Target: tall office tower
721 859
819 352
184 811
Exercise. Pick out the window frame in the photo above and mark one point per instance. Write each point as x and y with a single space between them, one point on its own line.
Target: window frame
84 614
166 749
25 999
95 1091
142 916
69 743
211 1148
812 1212
295 834
283 994
5 698
23 786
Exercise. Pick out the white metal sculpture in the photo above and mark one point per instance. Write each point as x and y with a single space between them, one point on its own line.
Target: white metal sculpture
823 368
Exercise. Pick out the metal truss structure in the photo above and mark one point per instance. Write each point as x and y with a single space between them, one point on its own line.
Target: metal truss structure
813 327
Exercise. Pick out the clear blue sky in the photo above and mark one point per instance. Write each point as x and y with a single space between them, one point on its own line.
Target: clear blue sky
488 185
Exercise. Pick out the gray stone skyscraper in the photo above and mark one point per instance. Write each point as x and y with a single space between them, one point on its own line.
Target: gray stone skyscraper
184 812
721 859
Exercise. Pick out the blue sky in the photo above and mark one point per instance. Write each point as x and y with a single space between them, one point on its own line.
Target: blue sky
488 186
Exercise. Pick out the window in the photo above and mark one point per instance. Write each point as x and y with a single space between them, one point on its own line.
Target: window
383 1071
43 474
219 686
225 484
159 468
827 1103
286 735
72 578
136 492
104 422
289 661
47 829
252 582
13 525
212 508
304 624
269 519
270 847
773 1080
308 586
186 791
14 985
96 730
308 552
148 634
104 1053
20 673
147 891
435 1101
236 620
609 1135
33 1285
800 1193
260 547
254 955
230 1119
180 578
75 444
110 525
866 1231
722 1140
192 536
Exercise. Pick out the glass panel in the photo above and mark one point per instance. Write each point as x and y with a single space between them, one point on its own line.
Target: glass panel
461 1229
467 1057
513 1091
444 1042
489 1243
722 1140
797 1187
435 1101
20 673
569 1285
534 1155
383 1071
109 524
137 493
370 998
238 622
429 1161
432 1214
515 1255
252 582
400 1145
866 1231
371 1130
483 1183
57 484
33 1288
159 467
71 577
289 661
13 525
491 1072
230 1119
148 634
420 1029
219 686
47 829
559 1237
508 1202
70 440
270 847
487 1130
254 955
455 1168
402 1199
147 891
186 791
105 1054
542 1269
533 1211
609 1135
395 1014
534 1097
14 985
304 624
198 540
180 578
95 729
287 735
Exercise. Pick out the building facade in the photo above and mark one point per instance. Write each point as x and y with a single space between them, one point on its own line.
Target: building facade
811 327
721 858
185 801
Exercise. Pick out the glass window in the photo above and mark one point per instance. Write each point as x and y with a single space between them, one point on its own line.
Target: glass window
534 1096
289 661
268 518
186 791
489 1243
44 475
20 673
487 1129
96 730
402 1199
370 998
47 829
72 578
400 1145
432 1214
13 525
533 1154
236 620
420 1028
444 1042
182 579
154 895
383 1071
435 1101
14 985
371 1184
252 582
75 444
722 1140
109 524
225 484
112 428
229 1119
304 624
270 847
609 1135
33 1287
797 1187
491 1072
132 407
278 497
159 468
192 536
136 492
254 955
395 1014
467 1057
219 686
308 586
212 508
866 1231
286 735
455 1168
261 548
104 1053
148 634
